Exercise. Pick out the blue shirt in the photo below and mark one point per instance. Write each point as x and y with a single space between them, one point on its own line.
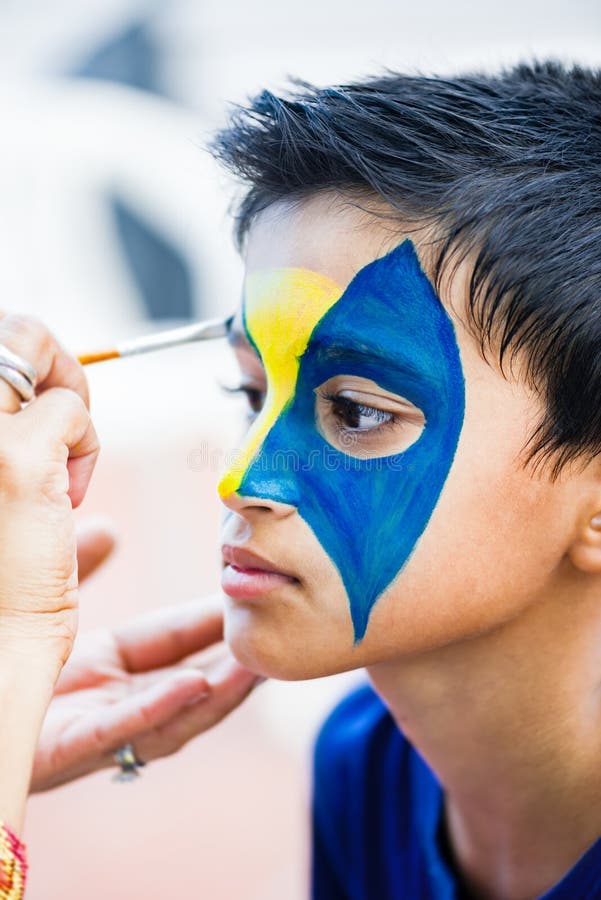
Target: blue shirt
377 813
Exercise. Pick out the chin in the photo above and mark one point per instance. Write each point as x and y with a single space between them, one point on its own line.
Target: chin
287 650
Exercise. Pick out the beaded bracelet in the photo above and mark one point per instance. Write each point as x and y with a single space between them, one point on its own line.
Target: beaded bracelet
13 865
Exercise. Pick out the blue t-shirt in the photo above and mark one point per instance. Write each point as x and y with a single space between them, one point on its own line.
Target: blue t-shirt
377 812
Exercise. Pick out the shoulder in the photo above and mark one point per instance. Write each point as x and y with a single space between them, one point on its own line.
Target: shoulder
352 728
360 768
358 739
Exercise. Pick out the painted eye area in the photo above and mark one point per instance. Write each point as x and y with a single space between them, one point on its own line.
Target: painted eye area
361 419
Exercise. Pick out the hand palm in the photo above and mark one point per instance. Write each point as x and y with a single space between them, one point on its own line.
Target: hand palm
93 683
139 683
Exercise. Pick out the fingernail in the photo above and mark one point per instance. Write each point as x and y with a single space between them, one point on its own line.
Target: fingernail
197 698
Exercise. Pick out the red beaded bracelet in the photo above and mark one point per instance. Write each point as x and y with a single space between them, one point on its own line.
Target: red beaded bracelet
13 865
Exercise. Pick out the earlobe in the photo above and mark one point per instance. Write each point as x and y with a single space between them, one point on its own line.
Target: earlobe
585 552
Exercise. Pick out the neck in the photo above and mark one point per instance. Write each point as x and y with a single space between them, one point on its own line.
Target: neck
510 722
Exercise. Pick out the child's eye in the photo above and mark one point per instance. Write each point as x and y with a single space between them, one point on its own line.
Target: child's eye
254 395
358 418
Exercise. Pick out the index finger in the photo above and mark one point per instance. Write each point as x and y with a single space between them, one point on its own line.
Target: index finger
168 635
31 339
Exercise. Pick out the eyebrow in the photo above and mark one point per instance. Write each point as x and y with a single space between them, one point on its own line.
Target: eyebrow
364 352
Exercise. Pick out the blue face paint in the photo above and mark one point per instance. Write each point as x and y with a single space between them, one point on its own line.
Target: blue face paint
390 327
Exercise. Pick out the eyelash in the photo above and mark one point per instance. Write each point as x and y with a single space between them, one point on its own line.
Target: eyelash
254 396
344 406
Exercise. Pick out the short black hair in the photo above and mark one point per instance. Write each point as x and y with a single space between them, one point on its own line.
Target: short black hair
508 168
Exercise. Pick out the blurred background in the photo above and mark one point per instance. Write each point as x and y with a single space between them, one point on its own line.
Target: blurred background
113 221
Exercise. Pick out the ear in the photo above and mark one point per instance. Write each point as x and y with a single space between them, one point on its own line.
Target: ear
585 551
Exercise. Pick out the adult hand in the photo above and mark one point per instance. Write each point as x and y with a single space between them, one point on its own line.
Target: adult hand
139 684
48 450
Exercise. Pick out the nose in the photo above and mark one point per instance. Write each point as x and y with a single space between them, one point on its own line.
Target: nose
263 475
245 505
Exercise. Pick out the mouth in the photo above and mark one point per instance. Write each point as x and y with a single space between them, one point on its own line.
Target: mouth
246 575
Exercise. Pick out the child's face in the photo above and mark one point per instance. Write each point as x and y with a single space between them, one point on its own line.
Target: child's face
382 482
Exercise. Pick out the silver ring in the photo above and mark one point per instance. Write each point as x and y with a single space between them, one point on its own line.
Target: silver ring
128 763
18 381
13 361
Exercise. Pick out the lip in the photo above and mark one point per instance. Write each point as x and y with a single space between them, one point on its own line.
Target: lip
246 575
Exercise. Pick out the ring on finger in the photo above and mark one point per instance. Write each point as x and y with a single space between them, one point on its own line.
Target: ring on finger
14 361
18 381
129 764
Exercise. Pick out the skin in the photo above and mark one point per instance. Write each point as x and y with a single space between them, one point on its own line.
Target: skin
47 454
486 646
156 681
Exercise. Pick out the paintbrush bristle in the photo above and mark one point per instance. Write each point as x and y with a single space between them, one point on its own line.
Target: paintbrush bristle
89 358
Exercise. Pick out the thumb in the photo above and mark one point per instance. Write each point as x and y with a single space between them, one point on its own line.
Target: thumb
96 540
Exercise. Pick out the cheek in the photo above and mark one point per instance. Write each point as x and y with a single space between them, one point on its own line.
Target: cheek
495 537
296 632
299 633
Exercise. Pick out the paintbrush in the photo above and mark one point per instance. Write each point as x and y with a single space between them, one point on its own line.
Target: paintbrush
187 334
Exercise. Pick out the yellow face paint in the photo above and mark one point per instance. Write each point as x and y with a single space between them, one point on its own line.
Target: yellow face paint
282 308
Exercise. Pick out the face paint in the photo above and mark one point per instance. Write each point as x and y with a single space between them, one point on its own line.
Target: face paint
387 326
281 309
